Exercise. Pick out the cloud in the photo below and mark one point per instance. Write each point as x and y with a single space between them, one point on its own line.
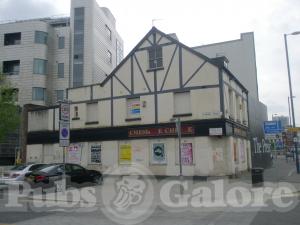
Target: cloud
27 9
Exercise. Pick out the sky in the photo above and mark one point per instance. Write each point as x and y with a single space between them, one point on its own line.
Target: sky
199 22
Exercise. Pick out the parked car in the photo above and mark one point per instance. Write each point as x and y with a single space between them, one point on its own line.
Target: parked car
17 173
75 174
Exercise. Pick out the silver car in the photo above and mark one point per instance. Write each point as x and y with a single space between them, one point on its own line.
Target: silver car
17 173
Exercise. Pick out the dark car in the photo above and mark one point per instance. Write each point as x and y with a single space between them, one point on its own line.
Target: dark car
75 174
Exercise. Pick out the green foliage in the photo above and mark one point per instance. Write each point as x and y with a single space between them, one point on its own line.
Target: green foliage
9 111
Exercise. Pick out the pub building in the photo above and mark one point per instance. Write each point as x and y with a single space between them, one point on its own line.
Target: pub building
127 118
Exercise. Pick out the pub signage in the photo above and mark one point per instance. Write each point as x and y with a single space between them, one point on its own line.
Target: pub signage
161 131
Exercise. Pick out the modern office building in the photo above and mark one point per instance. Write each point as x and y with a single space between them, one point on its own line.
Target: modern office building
45 56
242 62
285 120
127 118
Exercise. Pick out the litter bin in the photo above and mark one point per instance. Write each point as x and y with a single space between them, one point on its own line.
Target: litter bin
257 177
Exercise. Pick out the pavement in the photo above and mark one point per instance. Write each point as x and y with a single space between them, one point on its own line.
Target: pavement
281 171
63 214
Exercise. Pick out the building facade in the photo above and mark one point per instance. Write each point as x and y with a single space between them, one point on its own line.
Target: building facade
242 62
43 57
126 118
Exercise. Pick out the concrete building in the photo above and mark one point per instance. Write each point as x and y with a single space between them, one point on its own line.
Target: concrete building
242 62
285 120
43 57
126 118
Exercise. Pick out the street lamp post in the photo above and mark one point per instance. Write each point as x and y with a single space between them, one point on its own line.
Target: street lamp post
289 111
291 93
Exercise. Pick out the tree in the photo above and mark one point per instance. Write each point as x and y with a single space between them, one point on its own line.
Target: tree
9 111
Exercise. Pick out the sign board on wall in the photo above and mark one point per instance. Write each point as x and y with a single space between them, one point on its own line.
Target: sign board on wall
74 152
125 154
187 153
159 153
163 131
95 153
215 131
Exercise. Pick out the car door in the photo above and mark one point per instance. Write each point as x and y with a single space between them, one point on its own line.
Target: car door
78 174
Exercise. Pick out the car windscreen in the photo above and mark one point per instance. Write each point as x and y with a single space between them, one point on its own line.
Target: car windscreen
19 167
49 169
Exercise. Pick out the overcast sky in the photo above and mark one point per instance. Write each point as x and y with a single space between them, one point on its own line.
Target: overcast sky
198 22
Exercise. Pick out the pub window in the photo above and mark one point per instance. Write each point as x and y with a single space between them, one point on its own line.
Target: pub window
155 57
92 112
76 114
133 108
182 103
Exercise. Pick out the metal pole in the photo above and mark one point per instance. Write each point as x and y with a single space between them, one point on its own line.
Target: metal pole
291 98
178 126
289 111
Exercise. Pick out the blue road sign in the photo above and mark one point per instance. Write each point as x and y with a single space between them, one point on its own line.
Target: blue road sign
272 127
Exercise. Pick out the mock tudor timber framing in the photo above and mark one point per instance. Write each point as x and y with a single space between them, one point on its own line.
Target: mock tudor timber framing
134 63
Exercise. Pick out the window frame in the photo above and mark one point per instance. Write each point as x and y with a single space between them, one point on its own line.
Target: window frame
60 71
155 55
108 32
17 72
61 42
45 64
61 92
34 95
39 38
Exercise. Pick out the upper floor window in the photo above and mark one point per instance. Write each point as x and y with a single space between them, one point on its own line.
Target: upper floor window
76 114
182 103
60 70
133 108
108 33
38 94
155 57
59 95
40 66
92 112
61 42
12 39
11 67
40 37
109 57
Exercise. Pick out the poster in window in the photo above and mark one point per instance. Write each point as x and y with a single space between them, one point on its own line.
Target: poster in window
74 153
95 153
187 153
134 107
125 154
159 153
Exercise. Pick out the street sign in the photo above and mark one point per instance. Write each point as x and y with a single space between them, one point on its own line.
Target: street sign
64 113
64 134
272 127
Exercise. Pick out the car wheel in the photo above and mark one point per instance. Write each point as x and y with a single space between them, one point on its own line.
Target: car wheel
98 180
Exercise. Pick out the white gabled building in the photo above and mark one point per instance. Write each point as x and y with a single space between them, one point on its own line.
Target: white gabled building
126 118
